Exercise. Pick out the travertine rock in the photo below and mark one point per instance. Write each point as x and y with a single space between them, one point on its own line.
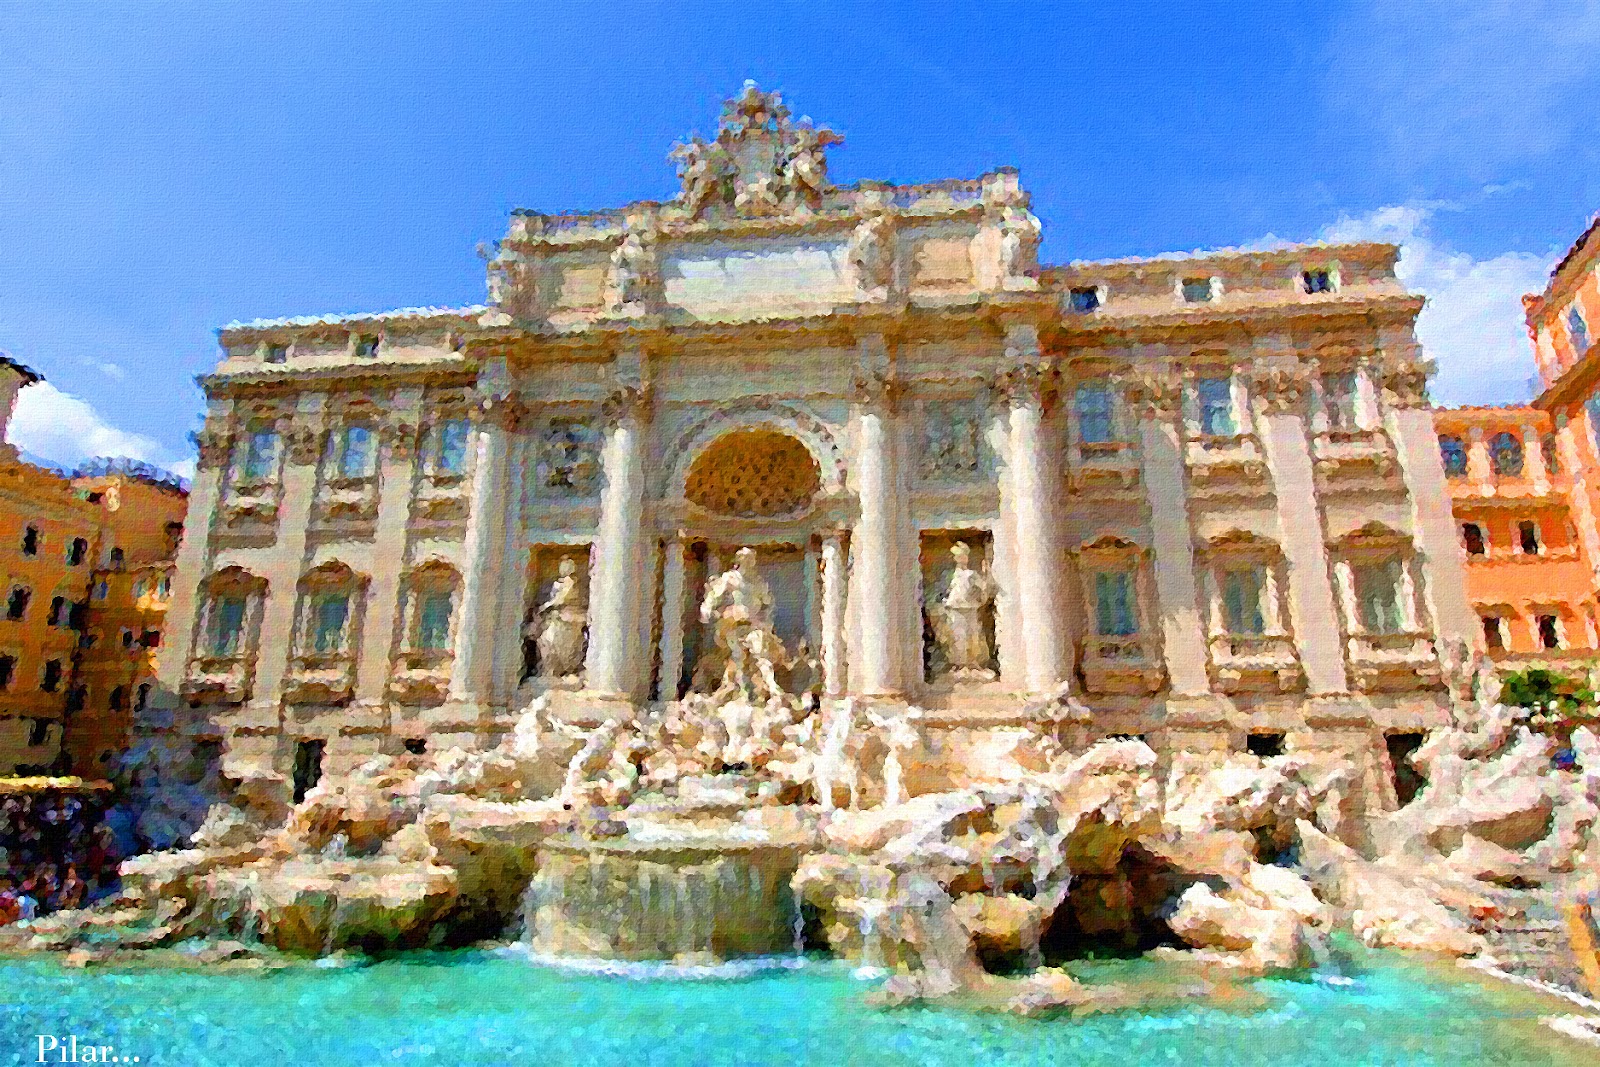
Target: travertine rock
1261 938
1384 908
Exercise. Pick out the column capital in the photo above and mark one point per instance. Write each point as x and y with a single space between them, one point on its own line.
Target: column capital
505 411
1404 380
872 389
400 438
1281 385
214 444
635 402
1033 383
304 440
1153 392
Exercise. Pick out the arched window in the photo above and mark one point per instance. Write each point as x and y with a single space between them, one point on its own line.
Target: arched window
118 699
1505 455
1552 454
1454 453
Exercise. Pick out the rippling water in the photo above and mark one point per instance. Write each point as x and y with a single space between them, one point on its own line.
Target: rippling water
488 1007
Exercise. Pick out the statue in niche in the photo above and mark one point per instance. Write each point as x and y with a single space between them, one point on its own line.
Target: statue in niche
959 622
738 606
557 626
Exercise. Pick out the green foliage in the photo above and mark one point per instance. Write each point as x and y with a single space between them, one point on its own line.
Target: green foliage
1538 687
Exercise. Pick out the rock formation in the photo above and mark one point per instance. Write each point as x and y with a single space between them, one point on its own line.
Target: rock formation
864 832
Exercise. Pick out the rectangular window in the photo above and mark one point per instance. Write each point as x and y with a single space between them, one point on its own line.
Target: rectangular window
367 346
1241 601
277 353
1339 400
453 434
1378 597
1317 281
227 626
1528 537
1215 399
38 732
1472 535
1093 405
1494 638
77 551
1578 330
1085 299
1197 290
1115 614
8 667
329 614
1549 636
30 541
52 676
17 603
355 458
433 622
261 456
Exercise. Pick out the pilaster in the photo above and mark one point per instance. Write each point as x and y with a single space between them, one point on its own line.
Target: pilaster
396 475
1280 387
1409 419
1156 395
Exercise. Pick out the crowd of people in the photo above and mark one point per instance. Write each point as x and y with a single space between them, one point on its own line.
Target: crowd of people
56 852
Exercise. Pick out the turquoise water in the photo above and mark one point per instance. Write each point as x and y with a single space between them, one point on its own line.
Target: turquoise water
484 1007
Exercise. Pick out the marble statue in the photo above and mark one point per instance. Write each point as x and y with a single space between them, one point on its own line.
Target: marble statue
633 272
961 631
1019 242
738 606
869 253
557 624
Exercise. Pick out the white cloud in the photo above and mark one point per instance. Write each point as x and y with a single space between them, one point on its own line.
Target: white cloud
64 429
111 370
1473 321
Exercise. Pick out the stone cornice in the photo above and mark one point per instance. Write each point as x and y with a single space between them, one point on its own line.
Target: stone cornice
279 379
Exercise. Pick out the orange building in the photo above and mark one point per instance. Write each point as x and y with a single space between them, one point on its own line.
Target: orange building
1528 576
143 511
1562 322
73 553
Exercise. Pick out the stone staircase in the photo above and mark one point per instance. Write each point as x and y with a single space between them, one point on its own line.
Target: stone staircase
1528 936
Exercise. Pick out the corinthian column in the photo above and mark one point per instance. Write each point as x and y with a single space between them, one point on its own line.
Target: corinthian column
1155 393
613 668
1030 486
484 549
833 613
876 612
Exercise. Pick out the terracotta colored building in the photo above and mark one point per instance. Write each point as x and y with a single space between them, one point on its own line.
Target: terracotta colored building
74 553
1528 576
1562 322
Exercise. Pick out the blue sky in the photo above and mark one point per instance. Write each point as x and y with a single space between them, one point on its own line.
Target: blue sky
165 169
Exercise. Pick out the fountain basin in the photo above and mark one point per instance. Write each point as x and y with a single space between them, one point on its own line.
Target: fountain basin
693 899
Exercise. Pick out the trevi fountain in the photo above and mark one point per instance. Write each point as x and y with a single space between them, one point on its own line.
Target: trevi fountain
790 624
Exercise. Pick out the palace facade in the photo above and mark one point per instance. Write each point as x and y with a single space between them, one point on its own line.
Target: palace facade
1201 496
